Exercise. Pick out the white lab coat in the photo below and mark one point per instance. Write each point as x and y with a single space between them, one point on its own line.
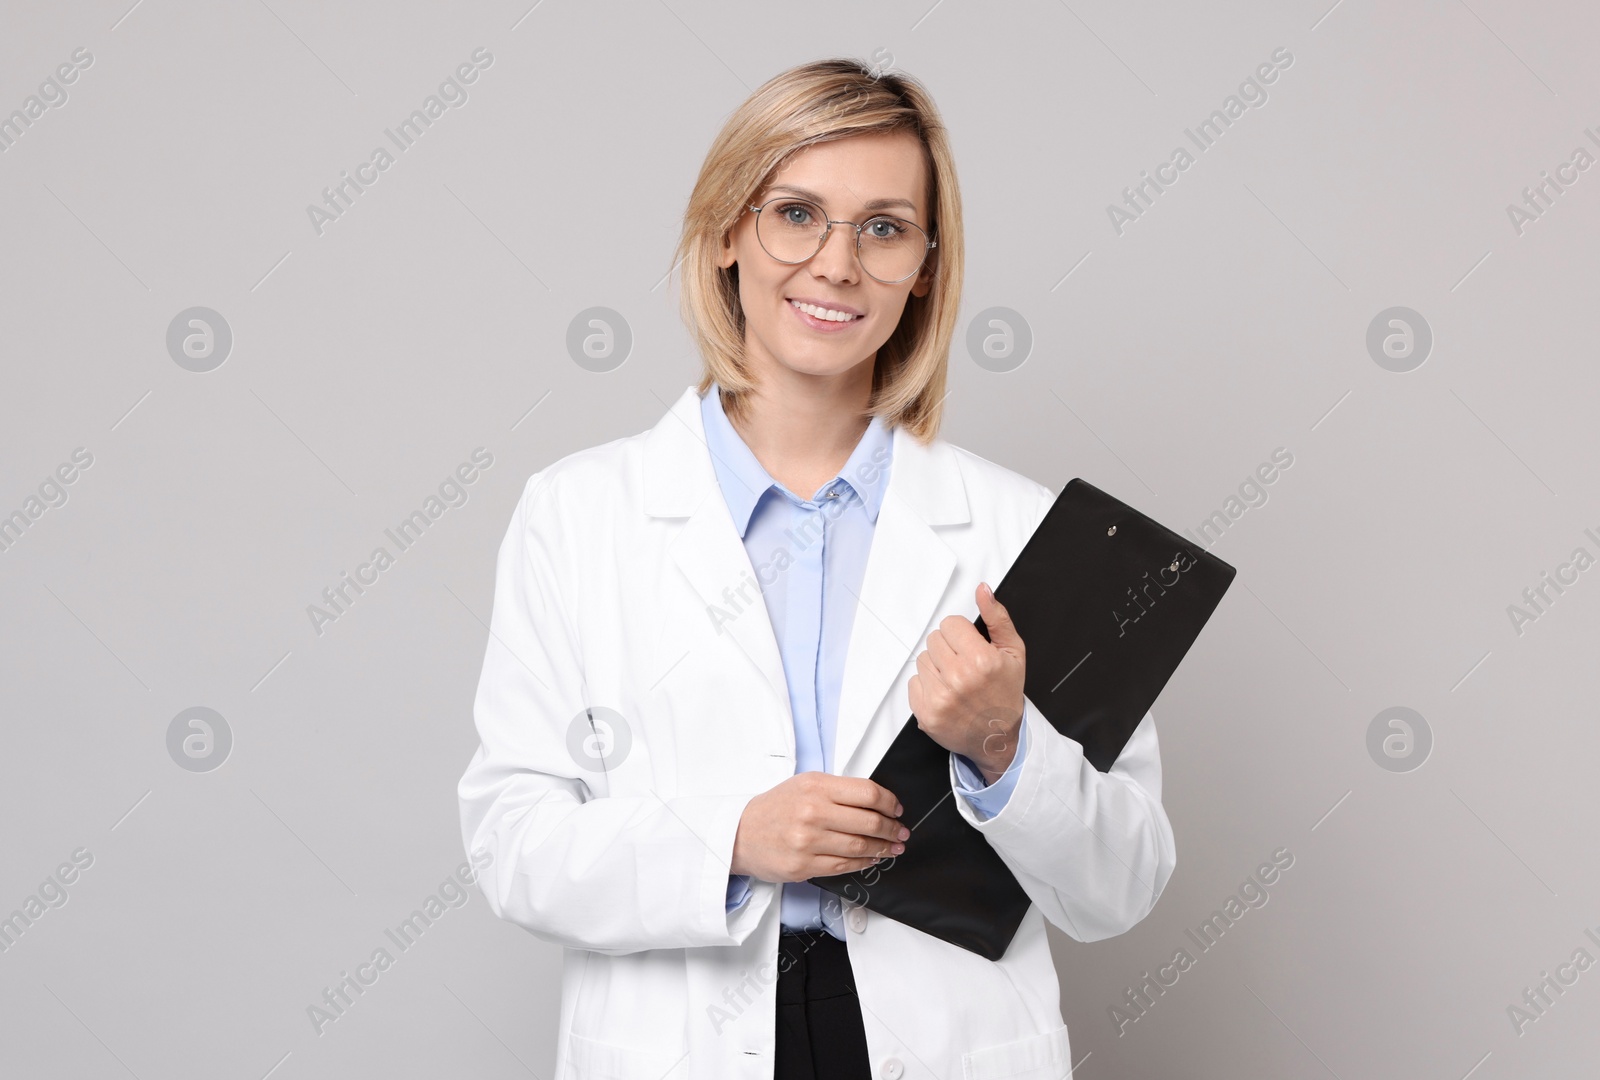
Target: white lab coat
604 588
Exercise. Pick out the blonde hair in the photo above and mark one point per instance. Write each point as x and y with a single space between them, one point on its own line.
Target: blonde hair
820 102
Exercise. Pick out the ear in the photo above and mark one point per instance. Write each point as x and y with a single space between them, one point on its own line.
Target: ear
726 257
924 282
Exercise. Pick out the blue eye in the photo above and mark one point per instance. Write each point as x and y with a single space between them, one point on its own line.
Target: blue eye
789 209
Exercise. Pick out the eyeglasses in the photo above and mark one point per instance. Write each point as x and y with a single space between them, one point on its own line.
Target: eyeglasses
792 230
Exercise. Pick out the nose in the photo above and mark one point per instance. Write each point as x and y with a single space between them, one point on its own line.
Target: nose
837 259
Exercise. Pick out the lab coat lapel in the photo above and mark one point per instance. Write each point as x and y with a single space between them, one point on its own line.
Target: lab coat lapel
680 482
908 570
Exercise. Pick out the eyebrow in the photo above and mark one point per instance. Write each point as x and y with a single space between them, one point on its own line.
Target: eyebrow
875 204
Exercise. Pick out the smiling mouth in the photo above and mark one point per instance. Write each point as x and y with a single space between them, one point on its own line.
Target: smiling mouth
825 314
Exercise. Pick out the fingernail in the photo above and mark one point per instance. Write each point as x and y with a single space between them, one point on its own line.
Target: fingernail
898 809
905 834
897 848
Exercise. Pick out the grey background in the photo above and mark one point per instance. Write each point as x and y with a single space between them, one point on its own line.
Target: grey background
1167 363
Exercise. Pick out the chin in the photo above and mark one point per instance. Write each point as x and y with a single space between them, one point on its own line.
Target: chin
820 364
818 358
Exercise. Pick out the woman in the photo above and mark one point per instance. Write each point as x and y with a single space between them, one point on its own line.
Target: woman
705 636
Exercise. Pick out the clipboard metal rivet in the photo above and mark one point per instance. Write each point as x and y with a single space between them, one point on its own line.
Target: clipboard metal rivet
1111 531
1174 566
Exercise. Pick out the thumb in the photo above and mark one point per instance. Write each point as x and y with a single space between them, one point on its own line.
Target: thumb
1002 632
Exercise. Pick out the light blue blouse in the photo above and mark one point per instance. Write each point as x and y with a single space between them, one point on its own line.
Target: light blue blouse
810 556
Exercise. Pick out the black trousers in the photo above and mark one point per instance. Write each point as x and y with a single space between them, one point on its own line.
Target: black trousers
820 1034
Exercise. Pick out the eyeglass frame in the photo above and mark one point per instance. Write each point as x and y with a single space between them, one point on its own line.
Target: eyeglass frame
828 231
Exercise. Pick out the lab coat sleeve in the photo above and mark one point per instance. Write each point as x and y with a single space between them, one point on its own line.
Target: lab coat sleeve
1092 849
573 866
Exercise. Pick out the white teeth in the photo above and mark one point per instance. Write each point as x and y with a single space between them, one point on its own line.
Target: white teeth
826 314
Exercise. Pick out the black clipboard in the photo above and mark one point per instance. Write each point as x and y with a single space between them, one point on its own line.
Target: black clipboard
1108 602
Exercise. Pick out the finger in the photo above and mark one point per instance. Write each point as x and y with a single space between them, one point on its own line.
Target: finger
860 822
963 637
886 803
855 846
1002 631
860 792
936 685
942 650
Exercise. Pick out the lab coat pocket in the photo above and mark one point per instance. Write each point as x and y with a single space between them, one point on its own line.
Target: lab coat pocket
1038 1057
593 1059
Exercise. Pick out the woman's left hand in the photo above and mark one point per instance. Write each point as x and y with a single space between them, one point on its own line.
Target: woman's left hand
967 693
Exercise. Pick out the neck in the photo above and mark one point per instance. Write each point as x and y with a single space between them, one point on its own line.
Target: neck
802 428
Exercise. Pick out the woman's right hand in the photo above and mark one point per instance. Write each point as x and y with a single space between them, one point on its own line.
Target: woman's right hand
815 824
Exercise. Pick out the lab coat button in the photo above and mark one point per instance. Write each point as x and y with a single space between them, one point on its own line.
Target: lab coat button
891 1069
856 920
